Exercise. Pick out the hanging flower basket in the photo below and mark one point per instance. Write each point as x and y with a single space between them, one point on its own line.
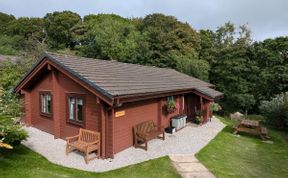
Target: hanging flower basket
215 107
171 107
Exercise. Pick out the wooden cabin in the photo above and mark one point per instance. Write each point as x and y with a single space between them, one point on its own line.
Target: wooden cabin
64 93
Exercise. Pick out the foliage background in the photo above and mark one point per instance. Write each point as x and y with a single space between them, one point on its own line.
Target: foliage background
246 71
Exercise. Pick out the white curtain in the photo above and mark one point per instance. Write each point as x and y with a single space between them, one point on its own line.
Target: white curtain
72 109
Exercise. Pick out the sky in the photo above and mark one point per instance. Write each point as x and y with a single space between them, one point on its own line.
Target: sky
266 18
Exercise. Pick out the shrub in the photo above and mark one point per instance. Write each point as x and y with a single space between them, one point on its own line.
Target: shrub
10 129
12 132
8 50
10 104
276 110
215 107
10 45
255 117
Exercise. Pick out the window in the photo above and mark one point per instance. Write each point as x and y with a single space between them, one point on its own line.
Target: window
46 103
75 108
170 98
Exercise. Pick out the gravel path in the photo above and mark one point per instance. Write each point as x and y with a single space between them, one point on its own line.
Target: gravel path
189 140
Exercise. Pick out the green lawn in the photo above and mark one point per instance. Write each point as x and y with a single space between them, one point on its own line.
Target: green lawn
246 156
22 162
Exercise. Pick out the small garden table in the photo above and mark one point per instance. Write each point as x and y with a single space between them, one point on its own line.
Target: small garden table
251 127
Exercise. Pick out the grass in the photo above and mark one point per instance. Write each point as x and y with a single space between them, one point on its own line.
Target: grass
22 162
246 156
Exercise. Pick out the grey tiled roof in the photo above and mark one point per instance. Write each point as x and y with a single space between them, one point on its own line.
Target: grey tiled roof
209 92
117 78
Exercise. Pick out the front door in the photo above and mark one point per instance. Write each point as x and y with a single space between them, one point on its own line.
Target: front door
192 102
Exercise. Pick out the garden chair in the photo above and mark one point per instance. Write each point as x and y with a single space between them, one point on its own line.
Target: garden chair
86 141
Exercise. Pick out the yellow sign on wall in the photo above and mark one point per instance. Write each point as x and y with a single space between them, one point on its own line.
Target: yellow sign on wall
119 113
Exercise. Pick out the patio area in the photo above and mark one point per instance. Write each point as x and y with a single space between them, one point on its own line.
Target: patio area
189 140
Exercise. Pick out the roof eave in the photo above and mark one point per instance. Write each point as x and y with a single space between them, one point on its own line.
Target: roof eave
54 61
150 95
97 88
207 96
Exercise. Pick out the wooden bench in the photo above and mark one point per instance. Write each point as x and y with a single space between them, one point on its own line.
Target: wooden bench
86 141
146 131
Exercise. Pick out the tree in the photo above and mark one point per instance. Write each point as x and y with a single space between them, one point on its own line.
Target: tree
232 69
5 19
109 37
12 71
28 28
58 26
192 66
11 45
163 38
207 49
271 56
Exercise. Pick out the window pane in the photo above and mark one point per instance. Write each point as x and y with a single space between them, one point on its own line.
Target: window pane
42 103
49 104
71 108
80 109
170 98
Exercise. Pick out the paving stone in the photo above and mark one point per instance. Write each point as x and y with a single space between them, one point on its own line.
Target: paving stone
198 175
190 167
183 158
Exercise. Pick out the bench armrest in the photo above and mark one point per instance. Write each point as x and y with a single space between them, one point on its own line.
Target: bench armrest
142 135
72 139
93 143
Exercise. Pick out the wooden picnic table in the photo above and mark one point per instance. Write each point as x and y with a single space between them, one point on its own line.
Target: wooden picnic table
250 123
251 127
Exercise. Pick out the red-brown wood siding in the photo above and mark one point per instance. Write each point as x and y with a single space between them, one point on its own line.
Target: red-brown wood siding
206 110
63 86
135 113
41 122
110 134
103 128
56 103
26 100
92 109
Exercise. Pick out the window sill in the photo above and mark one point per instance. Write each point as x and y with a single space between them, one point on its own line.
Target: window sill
49 116
80 124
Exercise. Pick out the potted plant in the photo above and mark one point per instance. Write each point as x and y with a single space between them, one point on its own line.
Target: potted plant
171 106
198 116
